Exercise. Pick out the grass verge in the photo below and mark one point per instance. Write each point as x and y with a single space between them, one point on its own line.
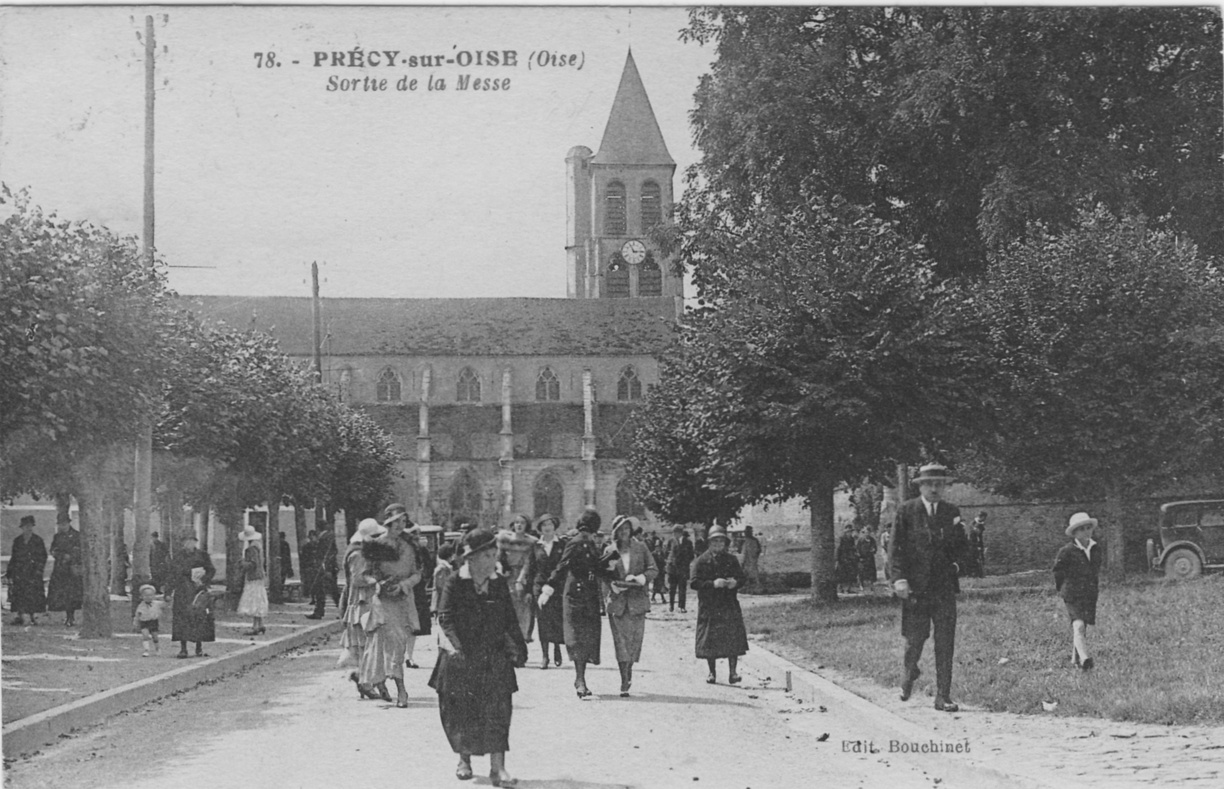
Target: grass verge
1157 648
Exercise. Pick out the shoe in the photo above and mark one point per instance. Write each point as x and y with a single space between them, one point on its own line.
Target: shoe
464 771
544 664
201 654
383 693
625 689
735 679
403 705
907 684
498 780
556 661
582 690
314 616
1087 664
182 655
684 610
409 664
144 654
252 632
262 630
711 679
944 705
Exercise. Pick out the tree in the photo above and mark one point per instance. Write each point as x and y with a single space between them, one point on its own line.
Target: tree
365 469
822 356
1109 344
83 352
963 125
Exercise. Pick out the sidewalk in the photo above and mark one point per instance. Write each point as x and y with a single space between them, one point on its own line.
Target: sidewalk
54 681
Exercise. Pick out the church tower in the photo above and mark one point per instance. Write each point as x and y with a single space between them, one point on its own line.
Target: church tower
613 199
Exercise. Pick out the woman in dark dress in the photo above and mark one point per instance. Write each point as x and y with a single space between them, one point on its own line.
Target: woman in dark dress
66 591
474 675
866 547
191 572
717 579
27 562
847 561
548 551
578 575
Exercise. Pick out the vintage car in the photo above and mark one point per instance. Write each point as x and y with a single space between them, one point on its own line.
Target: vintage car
437 536
1190 538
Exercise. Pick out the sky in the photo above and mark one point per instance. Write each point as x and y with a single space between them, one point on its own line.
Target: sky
261 170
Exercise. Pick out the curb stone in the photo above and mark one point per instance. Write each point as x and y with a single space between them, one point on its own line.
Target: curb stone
43 728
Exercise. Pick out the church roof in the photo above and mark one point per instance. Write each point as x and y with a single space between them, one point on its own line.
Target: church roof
453 327
632 135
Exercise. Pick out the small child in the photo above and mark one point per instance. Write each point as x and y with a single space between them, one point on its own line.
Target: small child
1077 571
145 621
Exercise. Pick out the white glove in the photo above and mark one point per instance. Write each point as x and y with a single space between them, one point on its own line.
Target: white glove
546 593
640 578
902 589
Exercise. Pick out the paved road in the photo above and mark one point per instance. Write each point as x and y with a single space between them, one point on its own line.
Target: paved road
296 722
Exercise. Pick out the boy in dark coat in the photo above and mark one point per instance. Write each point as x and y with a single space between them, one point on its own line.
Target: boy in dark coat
717 579
1077 571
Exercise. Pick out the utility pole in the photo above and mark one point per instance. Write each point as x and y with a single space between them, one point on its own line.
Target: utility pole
314 322
142 496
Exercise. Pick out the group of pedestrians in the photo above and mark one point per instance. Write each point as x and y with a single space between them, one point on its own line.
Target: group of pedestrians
856 559
494 592
28 563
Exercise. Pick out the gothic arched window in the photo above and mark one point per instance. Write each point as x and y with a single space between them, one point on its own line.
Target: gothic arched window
614 209
387 390
652 205
468 386
629 387
547 385
464 499
650 278
627 502
549 496
618 278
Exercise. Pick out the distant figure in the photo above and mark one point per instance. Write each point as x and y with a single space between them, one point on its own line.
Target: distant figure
321 574
515 555
159 562
27 561
658 550
632 571
548 551
977 546
866 547
254 600
66 592
680 556
286 556
1077 571
191 612
717 578
750 558
847 560
147 619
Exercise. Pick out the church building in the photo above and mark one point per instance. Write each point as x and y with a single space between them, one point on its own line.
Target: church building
503 405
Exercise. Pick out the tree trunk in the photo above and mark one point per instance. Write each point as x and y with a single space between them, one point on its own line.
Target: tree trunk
824 555
93 483
229 516
276 578
1114 531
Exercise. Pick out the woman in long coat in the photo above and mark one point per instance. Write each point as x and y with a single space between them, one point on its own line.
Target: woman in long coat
847 560
27 562
359 587
474 675
66 591
191 572
578 575
515 553
393 620
633 571
717 579
548 550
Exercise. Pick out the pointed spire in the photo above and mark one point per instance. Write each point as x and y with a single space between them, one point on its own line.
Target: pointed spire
632 135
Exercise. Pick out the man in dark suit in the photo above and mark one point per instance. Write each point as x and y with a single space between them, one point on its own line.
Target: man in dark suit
926 552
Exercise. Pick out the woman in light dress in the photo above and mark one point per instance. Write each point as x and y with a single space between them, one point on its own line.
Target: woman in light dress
254 600
393 616
359 589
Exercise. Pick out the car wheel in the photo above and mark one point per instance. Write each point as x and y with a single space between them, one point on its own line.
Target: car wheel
1181 564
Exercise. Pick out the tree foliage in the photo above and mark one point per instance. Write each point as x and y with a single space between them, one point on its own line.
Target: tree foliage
1108 340
962 125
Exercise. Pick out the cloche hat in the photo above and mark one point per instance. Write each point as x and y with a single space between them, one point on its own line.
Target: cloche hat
368 529
249 534
478 540
717 533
